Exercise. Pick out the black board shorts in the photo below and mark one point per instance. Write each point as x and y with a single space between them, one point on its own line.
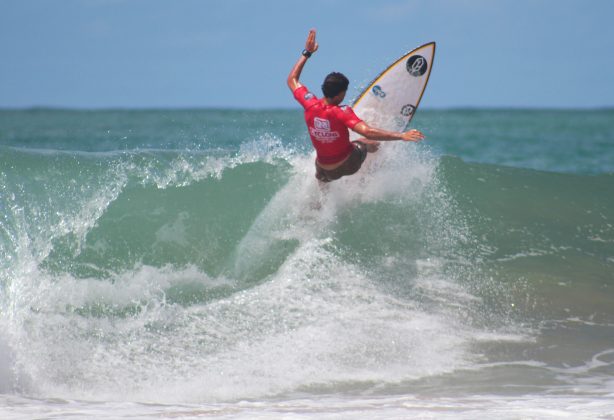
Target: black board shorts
351 165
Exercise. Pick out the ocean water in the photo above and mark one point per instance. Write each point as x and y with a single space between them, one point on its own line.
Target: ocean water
185 264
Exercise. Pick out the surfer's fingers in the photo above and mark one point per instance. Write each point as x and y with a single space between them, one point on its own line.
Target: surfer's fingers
311 45
312 36
412 135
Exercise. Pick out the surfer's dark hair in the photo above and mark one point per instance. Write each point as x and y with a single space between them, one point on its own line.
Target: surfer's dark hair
334 84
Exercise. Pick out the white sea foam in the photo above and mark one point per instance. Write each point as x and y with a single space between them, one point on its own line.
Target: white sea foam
326 407
187 168
318 321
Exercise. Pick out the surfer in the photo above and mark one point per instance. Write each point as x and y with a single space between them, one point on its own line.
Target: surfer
328 123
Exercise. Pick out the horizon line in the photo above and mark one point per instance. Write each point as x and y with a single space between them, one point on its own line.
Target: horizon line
264 109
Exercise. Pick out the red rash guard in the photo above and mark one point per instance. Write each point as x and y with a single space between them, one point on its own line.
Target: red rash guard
328 126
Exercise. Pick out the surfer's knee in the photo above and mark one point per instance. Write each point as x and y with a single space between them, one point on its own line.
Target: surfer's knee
370 146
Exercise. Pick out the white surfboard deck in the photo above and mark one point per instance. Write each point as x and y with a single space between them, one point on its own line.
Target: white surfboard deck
391 99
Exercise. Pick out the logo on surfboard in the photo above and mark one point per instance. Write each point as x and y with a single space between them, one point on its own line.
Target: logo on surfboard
408 110
377 91
416 65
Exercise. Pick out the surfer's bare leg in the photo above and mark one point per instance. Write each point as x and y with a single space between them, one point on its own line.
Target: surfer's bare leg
316 203
324 186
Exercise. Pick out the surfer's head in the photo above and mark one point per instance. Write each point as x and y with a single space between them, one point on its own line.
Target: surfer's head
335 84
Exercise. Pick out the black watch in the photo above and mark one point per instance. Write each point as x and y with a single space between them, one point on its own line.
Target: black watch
306 53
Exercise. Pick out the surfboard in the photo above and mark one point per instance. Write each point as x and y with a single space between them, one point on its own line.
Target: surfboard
392 98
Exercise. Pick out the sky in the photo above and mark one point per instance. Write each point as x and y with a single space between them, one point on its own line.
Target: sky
238 53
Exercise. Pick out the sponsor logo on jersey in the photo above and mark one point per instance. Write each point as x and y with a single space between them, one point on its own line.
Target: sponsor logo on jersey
321 124
308 96
321 131
416 65
377 91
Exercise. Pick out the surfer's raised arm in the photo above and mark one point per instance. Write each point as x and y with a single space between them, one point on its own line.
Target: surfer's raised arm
311 46
373 133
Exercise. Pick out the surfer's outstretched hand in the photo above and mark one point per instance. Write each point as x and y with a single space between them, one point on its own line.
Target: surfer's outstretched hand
412 135
311 45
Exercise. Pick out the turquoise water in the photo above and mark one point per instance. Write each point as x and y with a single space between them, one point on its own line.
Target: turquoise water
185 263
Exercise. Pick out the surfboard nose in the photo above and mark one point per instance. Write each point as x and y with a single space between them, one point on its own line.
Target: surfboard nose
391 100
